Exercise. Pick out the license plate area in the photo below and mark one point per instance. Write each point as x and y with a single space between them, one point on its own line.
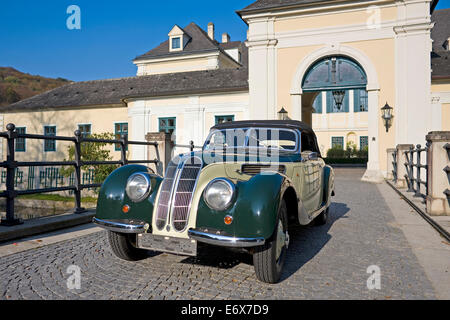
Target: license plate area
180 246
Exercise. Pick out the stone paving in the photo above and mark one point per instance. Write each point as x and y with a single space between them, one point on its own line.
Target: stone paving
327 262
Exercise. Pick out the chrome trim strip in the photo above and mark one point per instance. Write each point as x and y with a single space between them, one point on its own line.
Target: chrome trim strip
225 241
122 227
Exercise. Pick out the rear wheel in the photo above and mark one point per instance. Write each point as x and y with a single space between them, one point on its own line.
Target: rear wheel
124 246
269 258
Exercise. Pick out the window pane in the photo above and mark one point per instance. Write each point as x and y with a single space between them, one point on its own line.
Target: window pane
175 43
222 119
167 125
337 141
20 142
121 129
363 142
49 145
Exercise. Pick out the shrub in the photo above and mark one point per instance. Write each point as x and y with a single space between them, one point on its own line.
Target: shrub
93 152
336 152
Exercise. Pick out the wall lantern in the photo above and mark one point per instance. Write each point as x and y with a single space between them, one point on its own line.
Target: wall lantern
338 96
283 114
386 115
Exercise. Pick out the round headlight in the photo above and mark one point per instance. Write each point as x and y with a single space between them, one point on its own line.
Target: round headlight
219 194
138 187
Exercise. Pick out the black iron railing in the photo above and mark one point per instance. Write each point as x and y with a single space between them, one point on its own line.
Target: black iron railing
190 146
11 165
394 166
447 171
414 171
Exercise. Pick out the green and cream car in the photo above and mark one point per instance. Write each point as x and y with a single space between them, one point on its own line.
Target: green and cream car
242 190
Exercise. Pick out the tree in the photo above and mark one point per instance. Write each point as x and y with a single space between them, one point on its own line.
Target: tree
11 95
92 152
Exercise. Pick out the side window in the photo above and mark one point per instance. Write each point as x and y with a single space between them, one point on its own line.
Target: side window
307 142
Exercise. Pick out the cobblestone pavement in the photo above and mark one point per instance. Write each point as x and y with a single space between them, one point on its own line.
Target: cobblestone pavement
327 262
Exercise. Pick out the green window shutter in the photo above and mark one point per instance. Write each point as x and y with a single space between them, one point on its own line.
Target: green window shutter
317 105
20 142
50 145
363 142
167 125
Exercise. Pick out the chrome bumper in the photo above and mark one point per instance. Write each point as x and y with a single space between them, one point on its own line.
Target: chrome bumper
224 241
123 226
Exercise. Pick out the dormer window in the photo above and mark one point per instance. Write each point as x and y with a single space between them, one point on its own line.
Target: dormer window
176 43
178 39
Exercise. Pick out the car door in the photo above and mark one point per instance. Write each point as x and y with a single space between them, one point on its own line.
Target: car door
311 171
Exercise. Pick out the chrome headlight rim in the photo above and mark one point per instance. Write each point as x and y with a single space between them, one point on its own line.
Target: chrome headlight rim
148 187
232 187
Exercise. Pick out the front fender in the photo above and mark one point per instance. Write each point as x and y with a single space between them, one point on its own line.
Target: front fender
112 196
254 211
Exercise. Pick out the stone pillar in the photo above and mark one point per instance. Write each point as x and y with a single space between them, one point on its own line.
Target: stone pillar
389 165
401 160
163 152
438 201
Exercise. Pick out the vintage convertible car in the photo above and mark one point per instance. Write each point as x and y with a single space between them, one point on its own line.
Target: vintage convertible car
242 190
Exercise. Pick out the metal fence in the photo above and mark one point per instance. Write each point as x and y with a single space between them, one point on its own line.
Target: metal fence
447 171
394 166
190 146
414 171
12 167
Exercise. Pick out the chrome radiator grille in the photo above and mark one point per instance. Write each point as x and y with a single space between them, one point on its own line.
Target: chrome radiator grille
165 195
176 193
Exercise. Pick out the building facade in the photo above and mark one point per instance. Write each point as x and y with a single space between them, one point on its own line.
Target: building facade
298 53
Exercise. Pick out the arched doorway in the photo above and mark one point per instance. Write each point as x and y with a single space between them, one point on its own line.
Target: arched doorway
371 97
327 78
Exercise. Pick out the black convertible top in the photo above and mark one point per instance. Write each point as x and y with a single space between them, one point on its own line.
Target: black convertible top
289 124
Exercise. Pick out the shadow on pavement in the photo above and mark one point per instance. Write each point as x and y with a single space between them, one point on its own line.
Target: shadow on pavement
305 243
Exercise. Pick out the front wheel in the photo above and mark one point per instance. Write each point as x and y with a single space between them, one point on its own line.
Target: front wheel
123 246
269 258
322 218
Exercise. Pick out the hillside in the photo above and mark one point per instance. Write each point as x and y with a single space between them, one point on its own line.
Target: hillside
16 85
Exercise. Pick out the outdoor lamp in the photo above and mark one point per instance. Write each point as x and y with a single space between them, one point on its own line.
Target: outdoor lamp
283 114
386 115
338 96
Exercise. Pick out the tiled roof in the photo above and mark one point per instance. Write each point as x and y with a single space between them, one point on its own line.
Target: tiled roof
200 42
441 29
106 92
440 65
271 4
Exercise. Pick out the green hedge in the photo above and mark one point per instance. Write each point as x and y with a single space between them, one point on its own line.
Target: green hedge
345 160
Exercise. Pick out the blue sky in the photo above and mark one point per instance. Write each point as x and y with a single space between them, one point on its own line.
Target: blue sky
34 37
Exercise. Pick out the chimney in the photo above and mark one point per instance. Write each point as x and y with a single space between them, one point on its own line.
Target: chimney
448 44
211 30
225 38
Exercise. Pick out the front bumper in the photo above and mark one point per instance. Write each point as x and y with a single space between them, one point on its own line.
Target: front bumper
224 241
123 226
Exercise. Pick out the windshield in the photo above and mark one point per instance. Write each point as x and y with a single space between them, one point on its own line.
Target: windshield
269 138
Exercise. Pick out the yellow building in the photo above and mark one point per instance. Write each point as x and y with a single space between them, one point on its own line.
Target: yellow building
300 55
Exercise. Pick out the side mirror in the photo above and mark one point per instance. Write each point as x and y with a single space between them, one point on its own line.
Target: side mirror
313 156
309 156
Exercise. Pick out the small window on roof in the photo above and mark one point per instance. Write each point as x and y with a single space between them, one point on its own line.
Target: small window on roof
176 43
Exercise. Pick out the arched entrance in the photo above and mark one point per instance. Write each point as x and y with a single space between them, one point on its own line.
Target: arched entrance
332 79
373 172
